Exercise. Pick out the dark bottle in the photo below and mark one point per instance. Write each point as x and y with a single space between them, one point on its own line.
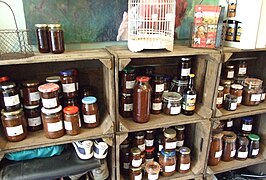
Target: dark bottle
56 37
189 97
42 38
184 68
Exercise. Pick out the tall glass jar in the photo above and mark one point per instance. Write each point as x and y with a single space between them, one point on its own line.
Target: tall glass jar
252 92
229 72
42 38
126 105
157 84
167 160
184 68
254 145
31 95
139 141
56 36
90 112
229 146
241 68
9 93
156 106
226 83
216 149
68 80
220 97
33 116
242 148
180 136
149 139
127 77
124 161
183 160
141 100
72 122
169 140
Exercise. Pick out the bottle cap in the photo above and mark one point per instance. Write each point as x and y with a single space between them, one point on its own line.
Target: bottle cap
71 110
184 150
191 75
89 100
253 137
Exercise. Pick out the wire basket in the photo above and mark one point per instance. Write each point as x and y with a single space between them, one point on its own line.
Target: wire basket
151 24
15 43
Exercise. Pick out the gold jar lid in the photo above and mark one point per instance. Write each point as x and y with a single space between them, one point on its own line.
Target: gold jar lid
220 88
52 26
139 135
41 25
169 133
135 168
229 136
184 150
135 151
12 113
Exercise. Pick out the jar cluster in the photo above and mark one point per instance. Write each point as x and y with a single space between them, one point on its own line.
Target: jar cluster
151 153
53 106
237 88
234 139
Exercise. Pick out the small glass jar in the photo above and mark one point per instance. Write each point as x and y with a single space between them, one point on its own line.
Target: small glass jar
180 135
230 102
167 82
90 112
216 149
124 161
10 96
33 116
220 97
178 86
252 92
135 173
139 141
226 83
237 89
72 122
229 146
128 78
152 168
241 68
169 140
68 81
254 145
149 154
183 160
53 122
135 157
156 106
49 95
42 38
56 80
167 160
157 84
31 95
184 68
229 72
14 124
56 36
126 105
242 148
229 125
246 124
149 139
172 103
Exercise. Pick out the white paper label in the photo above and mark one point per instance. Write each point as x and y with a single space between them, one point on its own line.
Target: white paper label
255 152
170 145
154 17
126 165
67 88
262 97
139 177
218 154
128 107
68 125
242 154
141 147
159 87
179 143
169 168
156 106
34 121
34 96
160 147
153 176
130 84
14 131
233 106
242 71
229 124
233 153
175 110
53 127
230 74
89 118
149 142
49 103
219 100
239 99
136 163
12 100
185 71
246 127
184 167
255 97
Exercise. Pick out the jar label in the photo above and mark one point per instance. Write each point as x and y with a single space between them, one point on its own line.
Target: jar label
128 107
262 97
153 176
139 177
189 102
141 147
169 168
179 143
34 96
14 131
219 100
246 127
242 154
89 118
185 71
53 127
255 152
49 103
230 74
184 167
159 87
157 106
233 153
160 147
149 142
136 163
239 99
34 121
255 97
68 125
233 106
170 145
242 71
11 100
67 88
218 154
126 165
130 84
175 110
229 124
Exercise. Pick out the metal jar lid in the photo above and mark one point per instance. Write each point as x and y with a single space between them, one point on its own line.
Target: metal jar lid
220 88
53 79
12 113
139 135
184 150
7 85
135 151
169 133
237 86
180 127
52 111
30 83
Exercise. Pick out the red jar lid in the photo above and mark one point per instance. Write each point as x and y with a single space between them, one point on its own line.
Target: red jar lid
71 110
4 79
48 87
143 78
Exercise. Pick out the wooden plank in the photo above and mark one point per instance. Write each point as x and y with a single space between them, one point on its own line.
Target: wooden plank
119 139
232 50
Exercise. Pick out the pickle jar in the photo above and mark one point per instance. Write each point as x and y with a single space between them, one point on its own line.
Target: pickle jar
149 139
90 112
56 36
128 78
124 161
178 86
180 135
135 157
14 124
184 68
242 148
230 102
169 139
9 93
126 105
246 124
156 101
216 149
241 68
229 146
42 38
254 145
237 90
31 95
139 141
157 84
183 160
229 72
167 160
49 95
53 122
220 97
171 103
68 80
72 122
252 92
226 83
33 116
135 173
152 168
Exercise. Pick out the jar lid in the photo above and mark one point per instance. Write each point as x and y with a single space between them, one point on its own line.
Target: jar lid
4 79
247 119
68 72
48 87
184 150
180 127
139 135
185 58
51 111
243 141
220 88
135 151
230 67
152 167
71 110
225 82
53 79
236 86
253 137
142 78
30 83
253 82
150 150
126 95
54 25
229 136
135 168
129 69
89 100
41 25
12 113
169 133
168 153
230 97
7 85
31 107
172 96
149 131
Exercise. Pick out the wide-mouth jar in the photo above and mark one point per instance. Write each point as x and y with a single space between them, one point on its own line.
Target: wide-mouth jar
172 103
49 95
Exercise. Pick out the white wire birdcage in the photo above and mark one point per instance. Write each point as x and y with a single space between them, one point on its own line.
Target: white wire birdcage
151 24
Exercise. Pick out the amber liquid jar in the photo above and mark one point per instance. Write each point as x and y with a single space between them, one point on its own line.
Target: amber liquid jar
90 112
128 78
184 68
33 116
31 95
156 106
216 149
141 100
183 160
252 92
242 148
139 141
237 90
72 122
167 160
135 157
220 97
172 103
10 96
229 146
180 135
56 36
14 124
157 84
149 139
49 95
42 38
169 140
68 81
246 124
135 173
254 145
126 105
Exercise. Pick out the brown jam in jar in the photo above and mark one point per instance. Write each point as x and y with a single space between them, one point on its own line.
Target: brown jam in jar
152 168
15 125
241 68
252 92
171 103
124 161
237 89
167 160
72 122
128 78
184 68
183 160
178 86
42 38
135 157
216 149
180 135
139 141
156 101
31 95
254 145
226 83
157 84
229 72
53 122
149 139
246 124
141 100
9 93
263 94
90 111
242 148
135 173
220 97
56 36
229 146
49 95
230 102
68 80
33 116
126 105
169 139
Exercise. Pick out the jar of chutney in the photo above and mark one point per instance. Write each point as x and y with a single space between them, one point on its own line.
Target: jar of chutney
216 149
152 168
33 116
183 160
237 90
241 68
149 139
171 103
157 84
68 81
252 92
72 122
169 140
10 96
56 36
180 135
139 141
229 72
220 97
226 83
31 95
49 95
42 38
230 102
242 148
126 105
229 146
156 106
128 78
135 157
254 145
167 161
178 86
90 112
135 173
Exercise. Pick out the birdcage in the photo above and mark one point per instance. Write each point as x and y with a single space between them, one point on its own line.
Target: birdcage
151 24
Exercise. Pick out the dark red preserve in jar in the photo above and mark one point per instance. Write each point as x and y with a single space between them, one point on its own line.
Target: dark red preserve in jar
72 122
31 95
90 112
49 95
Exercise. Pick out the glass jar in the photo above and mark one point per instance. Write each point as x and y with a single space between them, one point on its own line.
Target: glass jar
31 95
240 79
263 94
139 141
183 160
14 124
126 105
149 139
229 146
56 36
72 122
157 84
56 80
254 145
229 125
135 173
230 102
246 124
216 149
178 86
49 95
169 140
242 148
167 82
156 101
90 112
226 83
152 168
220 97
53 122
141 100
167 160
135 157
9 92
42 38
252 92
180 135
33 116
237 89
184 68
68 81
149 154
128 78
124 161
159 143
229 72
241 68
172 103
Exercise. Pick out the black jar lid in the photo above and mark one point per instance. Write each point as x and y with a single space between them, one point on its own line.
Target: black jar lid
157 77
7 85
